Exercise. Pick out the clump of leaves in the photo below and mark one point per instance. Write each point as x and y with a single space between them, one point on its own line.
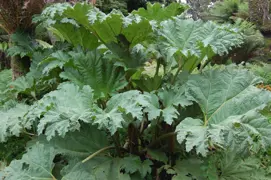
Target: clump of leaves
262 70
108 5
129 104
253 41
236 13
227 11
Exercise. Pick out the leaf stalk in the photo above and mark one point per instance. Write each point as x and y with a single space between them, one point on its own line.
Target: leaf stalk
98 152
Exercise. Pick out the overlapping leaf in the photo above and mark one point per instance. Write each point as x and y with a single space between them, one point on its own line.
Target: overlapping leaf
23 45
230 166
170 99
97 168
34 83
107 168
133 164
106 27
80 143
22 84
230 105
75 35
36 164
12 121
190 42
117 32
94 70
130 102
188 169
56 59
158 13
60 110
227 98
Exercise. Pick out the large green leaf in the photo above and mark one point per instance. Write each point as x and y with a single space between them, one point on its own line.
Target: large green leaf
133 164
234 168
35 84
120 34
107 168
95 169
56 59
189 169
109 26
106 27
170 100
60 110
230 105
23 84
22 45
36 164
94 70
12 121
159 13
78 144
130 102
54 10
230 166
190 42
117 32
75 35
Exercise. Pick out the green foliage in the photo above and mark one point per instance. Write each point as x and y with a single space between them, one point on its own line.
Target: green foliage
225 11
70 33
262 70
233 167
119 33
22 45
218 100
98 168
62 109
157 13
14 148
253 39
170 99
35 84
5 78
95 70
77 143
253 43
189 42
188 169
3 46
111 118
108 5
12 121
120 99
32 165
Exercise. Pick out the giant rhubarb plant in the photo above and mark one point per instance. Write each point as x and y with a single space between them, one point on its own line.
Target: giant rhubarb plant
128 106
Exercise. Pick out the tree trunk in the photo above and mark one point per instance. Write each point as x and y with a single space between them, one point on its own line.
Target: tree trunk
259 12
20 66
4 61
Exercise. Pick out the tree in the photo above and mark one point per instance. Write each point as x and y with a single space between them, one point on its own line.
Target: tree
259 11
16 15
